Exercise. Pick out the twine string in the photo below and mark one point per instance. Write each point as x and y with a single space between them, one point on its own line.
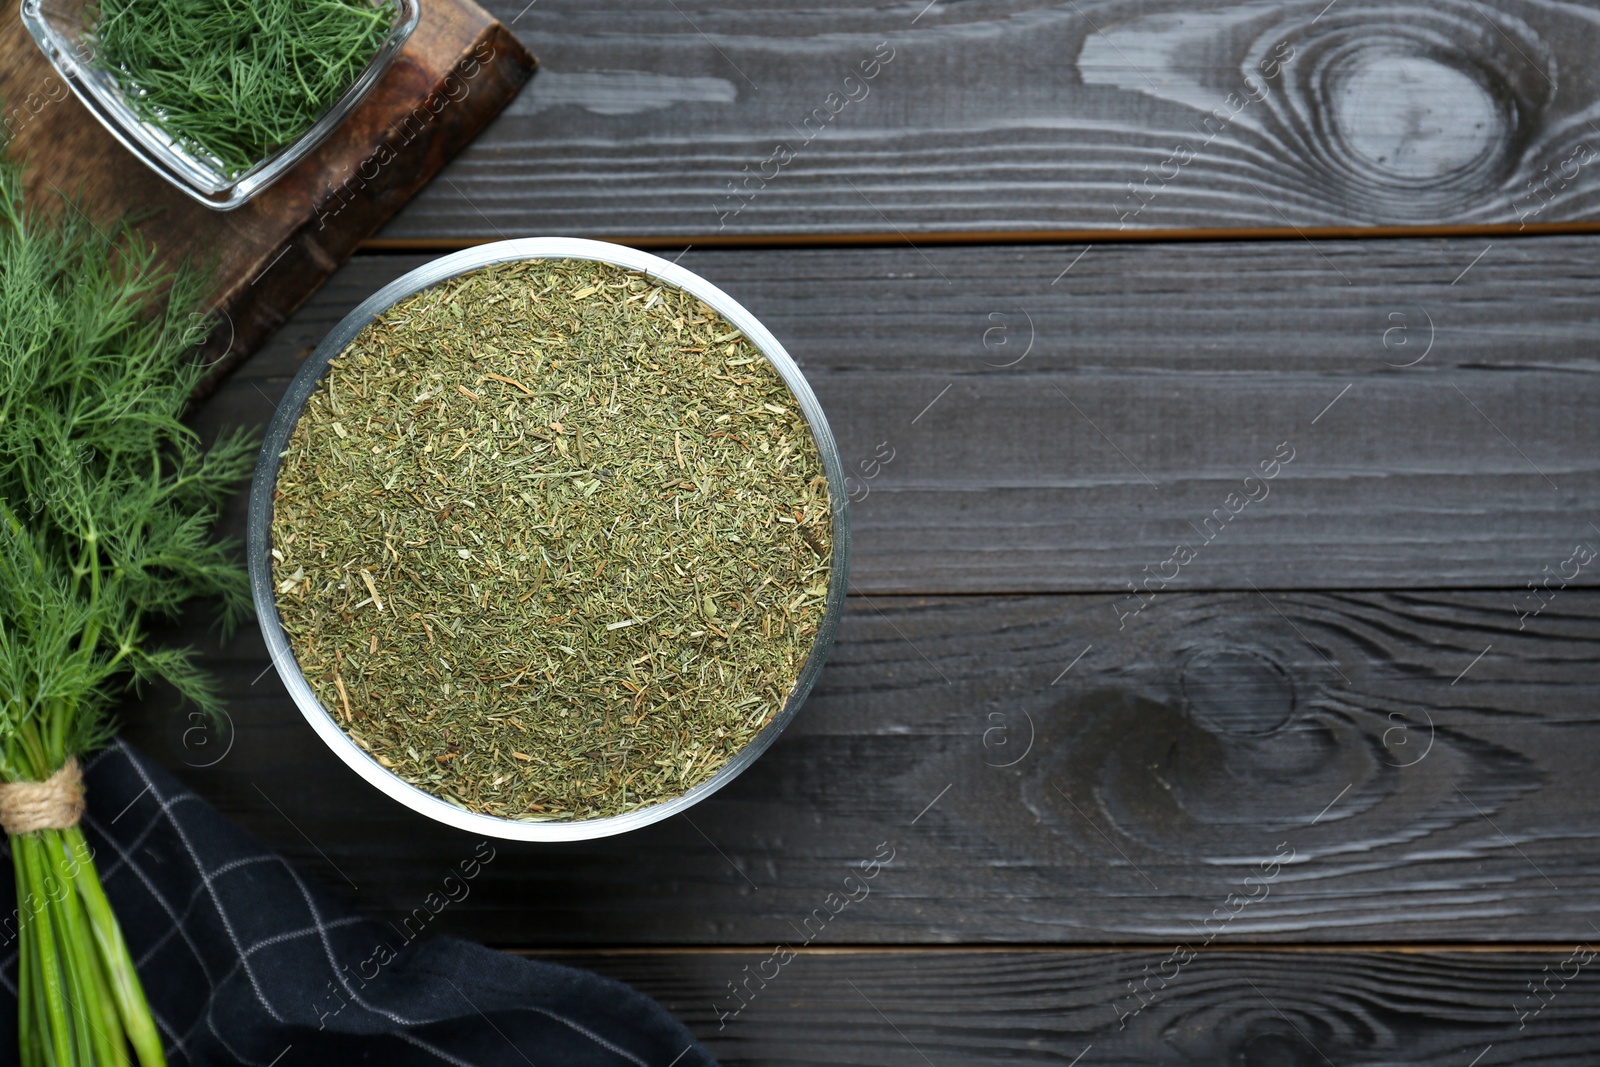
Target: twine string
53 804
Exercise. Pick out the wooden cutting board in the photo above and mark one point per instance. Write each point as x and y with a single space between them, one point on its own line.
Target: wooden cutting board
458 70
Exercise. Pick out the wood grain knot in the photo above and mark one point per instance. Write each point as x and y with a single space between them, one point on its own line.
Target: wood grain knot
1396 106
1237 691
1278 1050
1405 115
1394 113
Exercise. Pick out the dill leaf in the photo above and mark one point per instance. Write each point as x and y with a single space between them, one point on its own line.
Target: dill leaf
107 500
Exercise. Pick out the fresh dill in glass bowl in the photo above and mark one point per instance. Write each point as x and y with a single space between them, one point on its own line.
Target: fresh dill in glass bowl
221 97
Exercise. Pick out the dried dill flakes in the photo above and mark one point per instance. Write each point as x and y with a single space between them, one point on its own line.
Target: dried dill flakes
552 540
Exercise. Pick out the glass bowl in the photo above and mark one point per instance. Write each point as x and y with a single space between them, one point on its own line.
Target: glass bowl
62 29
264 485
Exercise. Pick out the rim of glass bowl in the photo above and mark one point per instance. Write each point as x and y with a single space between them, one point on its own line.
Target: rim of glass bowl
288 413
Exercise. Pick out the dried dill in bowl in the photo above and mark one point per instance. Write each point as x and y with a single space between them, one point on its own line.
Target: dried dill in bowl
551 540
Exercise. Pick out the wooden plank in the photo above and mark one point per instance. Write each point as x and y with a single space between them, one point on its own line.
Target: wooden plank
1063 419
1365 766
457 71
1430 1009
717 121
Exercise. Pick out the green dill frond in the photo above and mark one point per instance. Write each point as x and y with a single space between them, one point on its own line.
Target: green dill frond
107 500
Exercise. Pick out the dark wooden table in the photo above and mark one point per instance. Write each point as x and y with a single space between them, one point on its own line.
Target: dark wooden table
1222 673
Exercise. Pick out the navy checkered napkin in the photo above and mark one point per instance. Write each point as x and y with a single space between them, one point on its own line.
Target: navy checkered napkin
245 961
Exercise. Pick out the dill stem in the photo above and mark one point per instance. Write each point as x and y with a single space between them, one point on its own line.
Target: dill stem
77 983
31 1024
36 758
77 967
126 990
55 718
57 1022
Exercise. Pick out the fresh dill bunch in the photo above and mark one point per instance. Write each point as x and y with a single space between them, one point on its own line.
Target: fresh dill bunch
237 79
107 501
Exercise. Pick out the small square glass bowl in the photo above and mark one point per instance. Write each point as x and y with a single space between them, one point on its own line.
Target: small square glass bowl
63 31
